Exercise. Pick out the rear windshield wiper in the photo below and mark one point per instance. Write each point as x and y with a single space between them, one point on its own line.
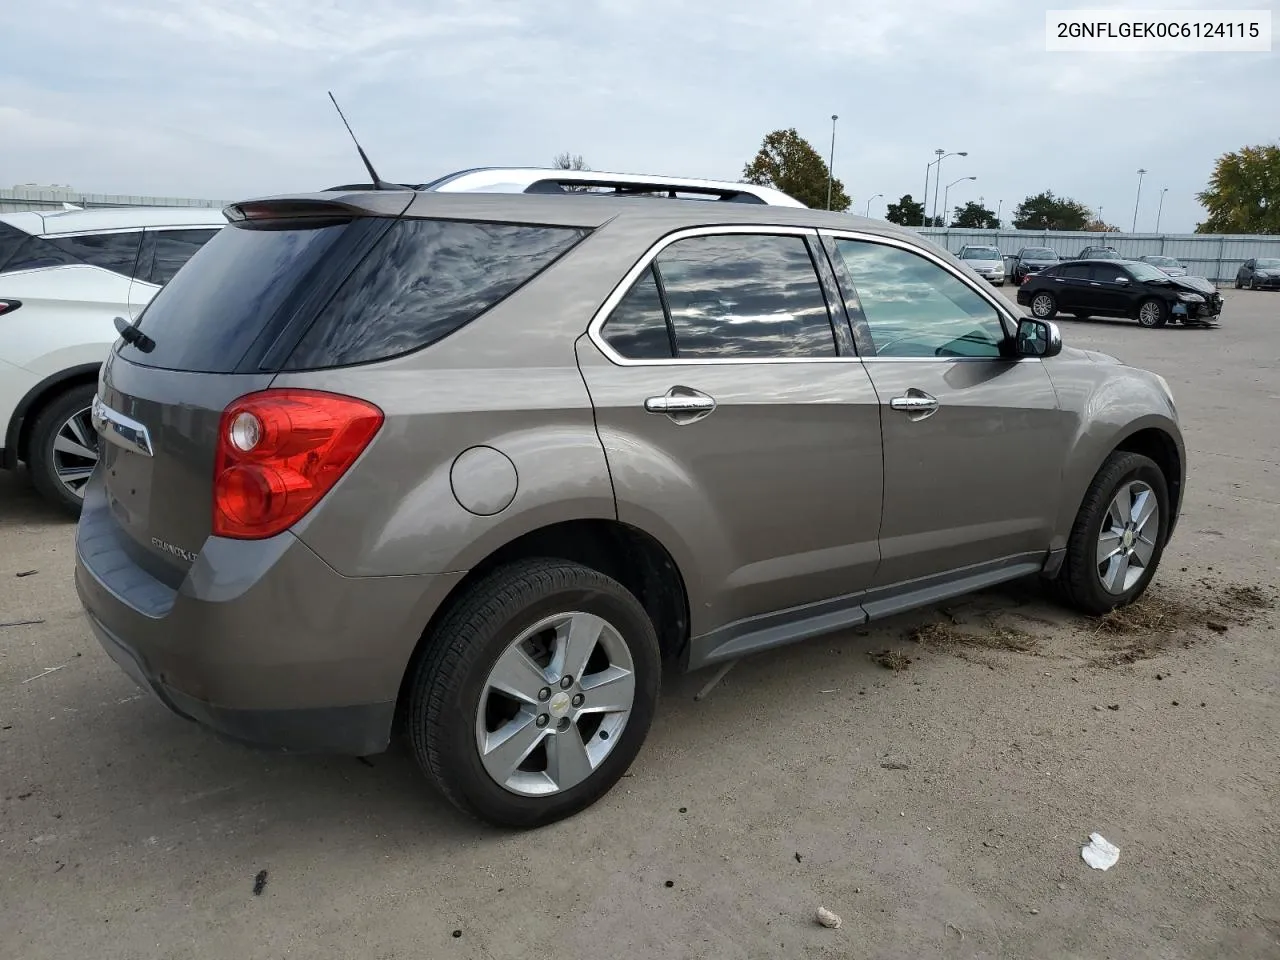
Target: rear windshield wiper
131 335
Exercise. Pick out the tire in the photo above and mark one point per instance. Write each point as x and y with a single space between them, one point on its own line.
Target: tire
1080 581
1252 284
1238 283
452 685
1048 305
1153 313
62 422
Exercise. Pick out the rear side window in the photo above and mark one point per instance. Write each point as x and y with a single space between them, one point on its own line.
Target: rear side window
207 317
637 328
169 250
10 239
742 295
424 280
37 252
111 251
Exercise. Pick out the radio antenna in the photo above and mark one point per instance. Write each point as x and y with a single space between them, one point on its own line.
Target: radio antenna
378 182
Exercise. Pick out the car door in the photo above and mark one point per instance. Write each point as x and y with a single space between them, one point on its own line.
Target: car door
163 253
973 437
1245 272
737 431
1114 289
1069 284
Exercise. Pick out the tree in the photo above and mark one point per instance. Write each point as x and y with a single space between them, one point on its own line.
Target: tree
1098 226
975 216
1044 211
789 163
1243 195
568 161
906 212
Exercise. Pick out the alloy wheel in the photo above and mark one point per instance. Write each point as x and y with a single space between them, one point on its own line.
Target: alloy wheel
1149 314
555 704
1127 541
75 452
1042 305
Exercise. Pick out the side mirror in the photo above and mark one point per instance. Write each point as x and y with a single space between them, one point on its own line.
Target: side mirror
1038 338
1122 279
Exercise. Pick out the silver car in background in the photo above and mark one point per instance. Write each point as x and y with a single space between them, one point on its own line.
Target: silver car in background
1169 265
987 262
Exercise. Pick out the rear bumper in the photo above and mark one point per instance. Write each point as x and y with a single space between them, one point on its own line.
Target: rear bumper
262 642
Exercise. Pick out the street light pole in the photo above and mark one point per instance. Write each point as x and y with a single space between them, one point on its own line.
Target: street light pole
924 201
999 210
876 197
831 166
946 193
1137 199
1160 208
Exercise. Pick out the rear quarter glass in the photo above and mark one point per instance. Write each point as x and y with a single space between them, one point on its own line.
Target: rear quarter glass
421 282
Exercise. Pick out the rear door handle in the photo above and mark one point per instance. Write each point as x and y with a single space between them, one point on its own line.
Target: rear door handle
682 405
916 404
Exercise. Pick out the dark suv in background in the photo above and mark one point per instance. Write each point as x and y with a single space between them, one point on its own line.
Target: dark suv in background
1261 273
1030 260
480 463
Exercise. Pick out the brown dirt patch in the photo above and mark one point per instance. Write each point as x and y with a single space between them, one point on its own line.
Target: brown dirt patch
1165 616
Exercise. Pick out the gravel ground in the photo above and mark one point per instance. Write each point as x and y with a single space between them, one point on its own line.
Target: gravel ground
931 781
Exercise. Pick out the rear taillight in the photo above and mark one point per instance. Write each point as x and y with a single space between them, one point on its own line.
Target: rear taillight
279 452
8 306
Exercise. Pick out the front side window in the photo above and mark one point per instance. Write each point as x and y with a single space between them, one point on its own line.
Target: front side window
110 251
915 308
739 296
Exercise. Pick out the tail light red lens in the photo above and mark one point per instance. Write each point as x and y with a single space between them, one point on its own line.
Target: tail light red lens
279 452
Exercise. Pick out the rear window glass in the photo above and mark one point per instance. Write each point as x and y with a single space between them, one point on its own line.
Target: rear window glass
207 317
111 251
424 280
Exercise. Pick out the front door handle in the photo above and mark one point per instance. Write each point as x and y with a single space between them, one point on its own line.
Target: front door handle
682 405
916 404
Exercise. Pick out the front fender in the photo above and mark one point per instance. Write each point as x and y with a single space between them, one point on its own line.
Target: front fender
1111 405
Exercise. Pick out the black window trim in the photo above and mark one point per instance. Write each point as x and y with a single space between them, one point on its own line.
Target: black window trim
1004 312
594 328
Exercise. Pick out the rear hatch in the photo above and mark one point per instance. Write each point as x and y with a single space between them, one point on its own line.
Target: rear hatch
218 330
288 285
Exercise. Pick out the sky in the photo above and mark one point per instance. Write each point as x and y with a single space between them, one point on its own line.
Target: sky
225 99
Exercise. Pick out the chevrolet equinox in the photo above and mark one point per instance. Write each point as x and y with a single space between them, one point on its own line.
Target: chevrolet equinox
473 465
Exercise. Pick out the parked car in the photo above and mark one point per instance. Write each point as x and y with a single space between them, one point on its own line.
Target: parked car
1128 288
64 278
1031 260
481 463
1170 265
987 262
1099 253
1259 274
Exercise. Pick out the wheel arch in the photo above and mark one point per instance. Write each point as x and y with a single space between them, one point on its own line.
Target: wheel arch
17 438
633 557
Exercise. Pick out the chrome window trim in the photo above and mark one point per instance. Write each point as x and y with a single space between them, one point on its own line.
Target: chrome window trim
601 316
624 286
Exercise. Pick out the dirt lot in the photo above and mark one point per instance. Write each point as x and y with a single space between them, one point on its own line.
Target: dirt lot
939 808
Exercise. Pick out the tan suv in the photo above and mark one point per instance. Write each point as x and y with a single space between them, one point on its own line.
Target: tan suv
479 463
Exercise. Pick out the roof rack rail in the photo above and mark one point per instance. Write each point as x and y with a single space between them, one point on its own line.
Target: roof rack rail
555 181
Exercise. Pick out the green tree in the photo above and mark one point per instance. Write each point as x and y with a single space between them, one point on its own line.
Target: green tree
975 216
1098 226
1243 195
906 212
1044 211
789 163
